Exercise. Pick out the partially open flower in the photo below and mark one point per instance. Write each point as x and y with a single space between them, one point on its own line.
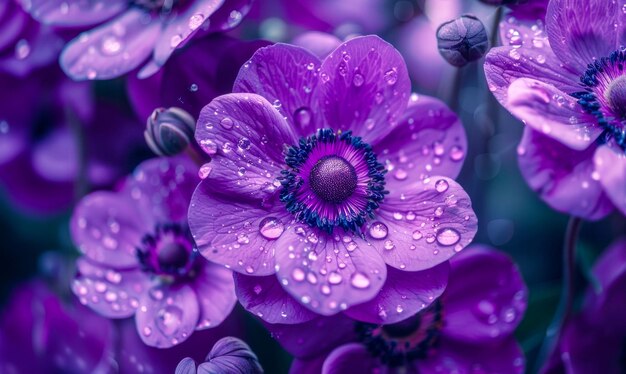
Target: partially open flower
169 131
462 40
228 355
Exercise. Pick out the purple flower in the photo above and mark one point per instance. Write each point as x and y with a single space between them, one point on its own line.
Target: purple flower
41 334
593 341
566 84
54 141
24 44
139 257
469 329
228 355
130 32
327 180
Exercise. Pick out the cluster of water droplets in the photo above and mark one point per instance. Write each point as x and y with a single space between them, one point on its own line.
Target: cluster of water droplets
501 317
108 292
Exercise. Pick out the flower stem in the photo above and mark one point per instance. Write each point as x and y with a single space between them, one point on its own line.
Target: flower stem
567 295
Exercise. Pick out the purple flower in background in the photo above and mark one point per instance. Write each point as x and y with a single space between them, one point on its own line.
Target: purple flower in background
327 180
41 334
54 142
469 329
130 32
228 355
24 44
594 341
567 84
139 257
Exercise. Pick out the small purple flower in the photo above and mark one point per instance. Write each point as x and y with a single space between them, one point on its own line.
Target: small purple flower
469 329
594 341
567 84
139 257
327 180
228 355
132 31
39 333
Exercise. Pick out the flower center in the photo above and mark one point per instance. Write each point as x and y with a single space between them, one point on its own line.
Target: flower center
168 253
604 96
405 341
333 179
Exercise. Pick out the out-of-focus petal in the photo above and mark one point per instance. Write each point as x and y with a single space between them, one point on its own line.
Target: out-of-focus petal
73 13
352 357
215 290
611 166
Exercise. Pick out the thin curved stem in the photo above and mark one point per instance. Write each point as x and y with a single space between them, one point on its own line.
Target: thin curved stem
567 295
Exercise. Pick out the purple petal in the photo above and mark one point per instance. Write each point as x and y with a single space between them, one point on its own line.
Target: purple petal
503 65
611 167
452 357
107 228
145 94
245 136
553 112
167 316
365 87
73 13
311 339
161 189
404 294
111 293
112 49
581 31
186 366
287 76
237 234
182 27
486 296
563 177
351 358
231 355
229 15
266 298
319 43
327 273
423 225
215 290
430 140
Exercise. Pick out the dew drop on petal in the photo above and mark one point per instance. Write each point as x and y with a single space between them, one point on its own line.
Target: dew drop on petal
271 228
334 278
378 230
389 245
298 274
358 80
195 21
391 76
448 236
204 171
359 280
302 117
441 185
226 123
169 319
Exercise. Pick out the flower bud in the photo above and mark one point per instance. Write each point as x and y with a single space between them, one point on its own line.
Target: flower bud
462 40
169 131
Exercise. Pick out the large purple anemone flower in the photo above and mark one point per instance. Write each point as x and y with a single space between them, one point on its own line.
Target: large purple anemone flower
131 31
469 329
594 340
139 257
327 180
567 84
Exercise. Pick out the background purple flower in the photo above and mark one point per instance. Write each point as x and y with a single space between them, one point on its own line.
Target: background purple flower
139 257
594 340
236 214
573 149
129 33
469 328
228 355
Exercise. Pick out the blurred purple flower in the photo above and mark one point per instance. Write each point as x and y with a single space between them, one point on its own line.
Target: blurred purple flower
567 84
24 44
139 257
594 341
469 329
228 355
41 334
131 31
54 143
299 211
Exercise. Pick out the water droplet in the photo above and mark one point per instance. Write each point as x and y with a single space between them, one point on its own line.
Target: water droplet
441 185
195 21
277 104
271 228
147 331
359 280
417 235
514 54
456 153
391 76
234 18
378 230
209 147
243 239
448 236
302 117
358 80
401 174
22 49
175 41
310 66
193 87
244 144
204 171
298 274
438 211
389 245
334 277
169 319
399 309
111 45
226 123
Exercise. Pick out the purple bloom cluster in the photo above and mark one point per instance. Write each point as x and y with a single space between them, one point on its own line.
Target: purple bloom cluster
328 180
566 83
